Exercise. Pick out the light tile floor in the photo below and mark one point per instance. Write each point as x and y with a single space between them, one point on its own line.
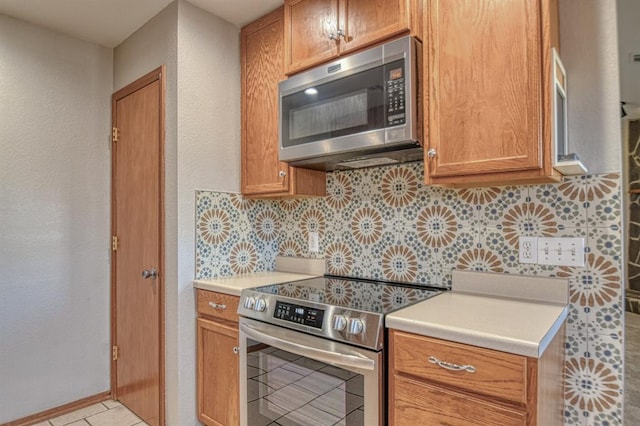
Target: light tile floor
107 413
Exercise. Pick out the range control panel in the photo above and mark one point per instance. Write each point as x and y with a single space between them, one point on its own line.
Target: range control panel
299 314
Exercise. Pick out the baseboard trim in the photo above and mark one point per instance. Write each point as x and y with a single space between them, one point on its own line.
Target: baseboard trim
58 411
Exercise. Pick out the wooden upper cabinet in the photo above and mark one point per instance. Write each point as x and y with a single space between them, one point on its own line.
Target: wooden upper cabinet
317 31
309 25
488 91
262 68
365 22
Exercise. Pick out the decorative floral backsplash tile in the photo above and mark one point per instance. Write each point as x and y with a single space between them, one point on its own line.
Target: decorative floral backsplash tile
384 223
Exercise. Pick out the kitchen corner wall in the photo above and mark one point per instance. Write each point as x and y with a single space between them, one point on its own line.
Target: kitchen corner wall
384 223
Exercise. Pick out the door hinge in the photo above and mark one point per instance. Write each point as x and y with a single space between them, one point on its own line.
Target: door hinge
115 351
114 243
115 134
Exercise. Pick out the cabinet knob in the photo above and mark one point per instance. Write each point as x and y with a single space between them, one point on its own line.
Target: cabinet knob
282 173
432 153
236 349
336 36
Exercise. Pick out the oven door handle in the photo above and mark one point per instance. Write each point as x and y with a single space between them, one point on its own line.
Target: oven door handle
311 347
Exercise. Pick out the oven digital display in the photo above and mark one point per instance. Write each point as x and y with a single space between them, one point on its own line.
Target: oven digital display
298 314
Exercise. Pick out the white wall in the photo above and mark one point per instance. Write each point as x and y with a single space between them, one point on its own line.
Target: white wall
55 104
151 46
208 155
629 43
202 150
589 51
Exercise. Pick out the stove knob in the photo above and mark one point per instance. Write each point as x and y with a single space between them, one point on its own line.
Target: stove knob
355 326
261 305
339 322
249 302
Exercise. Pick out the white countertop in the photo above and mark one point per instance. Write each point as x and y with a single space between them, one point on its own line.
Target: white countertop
516 325
236 283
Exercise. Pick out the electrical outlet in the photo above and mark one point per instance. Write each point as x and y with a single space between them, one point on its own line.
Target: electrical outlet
561 251
314 242
528 249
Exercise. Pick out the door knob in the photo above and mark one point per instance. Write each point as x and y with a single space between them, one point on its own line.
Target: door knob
432 153
150 273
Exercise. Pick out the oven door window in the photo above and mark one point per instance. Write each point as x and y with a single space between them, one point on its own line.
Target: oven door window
288 389
346 106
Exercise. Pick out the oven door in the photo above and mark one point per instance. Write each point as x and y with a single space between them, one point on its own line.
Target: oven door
291 378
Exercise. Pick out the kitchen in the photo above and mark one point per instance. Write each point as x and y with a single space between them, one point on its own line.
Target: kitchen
202 153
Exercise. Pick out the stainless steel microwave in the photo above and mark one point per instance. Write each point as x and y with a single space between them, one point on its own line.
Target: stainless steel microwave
358 111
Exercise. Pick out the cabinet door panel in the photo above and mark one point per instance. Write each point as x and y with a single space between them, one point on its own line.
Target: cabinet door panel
262 69
309 24
414 403
218 374
365 22
485 95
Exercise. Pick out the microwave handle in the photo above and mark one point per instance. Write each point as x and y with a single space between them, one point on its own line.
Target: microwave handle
276 339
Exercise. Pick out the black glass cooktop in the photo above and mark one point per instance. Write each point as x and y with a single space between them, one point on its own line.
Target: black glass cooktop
364 295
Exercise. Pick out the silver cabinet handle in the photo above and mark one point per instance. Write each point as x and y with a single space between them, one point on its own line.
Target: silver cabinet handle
150 273
333 36
432 153
282 173
236 349
217 306
453 367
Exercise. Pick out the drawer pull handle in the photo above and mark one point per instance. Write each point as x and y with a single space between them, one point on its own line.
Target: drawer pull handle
217 306
453 367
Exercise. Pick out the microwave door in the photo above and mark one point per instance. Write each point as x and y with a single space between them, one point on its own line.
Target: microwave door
321 119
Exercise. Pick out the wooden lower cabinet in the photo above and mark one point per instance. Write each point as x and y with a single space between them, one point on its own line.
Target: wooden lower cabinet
420 403
503 389
218 365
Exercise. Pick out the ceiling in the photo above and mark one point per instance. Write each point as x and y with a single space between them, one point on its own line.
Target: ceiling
109 22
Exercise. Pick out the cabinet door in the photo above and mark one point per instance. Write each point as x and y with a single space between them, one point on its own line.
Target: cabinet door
484 97
417 403
261 70
218 374
309 25
365 22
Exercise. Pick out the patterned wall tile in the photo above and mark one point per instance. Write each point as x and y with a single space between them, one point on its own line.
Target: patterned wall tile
384 223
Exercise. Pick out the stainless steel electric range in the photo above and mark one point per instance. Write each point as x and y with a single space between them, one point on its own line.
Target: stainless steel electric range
312 351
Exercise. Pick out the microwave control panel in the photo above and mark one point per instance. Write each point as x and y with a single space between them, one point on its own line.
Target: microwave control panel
395 94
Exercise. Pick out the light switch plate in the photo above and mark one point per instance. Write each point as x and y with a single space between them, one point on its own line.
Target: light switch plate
528 249
561 251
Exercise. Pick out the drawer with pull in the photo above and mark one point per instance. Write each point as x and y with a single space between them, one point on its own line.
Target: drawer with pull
218 305
478 370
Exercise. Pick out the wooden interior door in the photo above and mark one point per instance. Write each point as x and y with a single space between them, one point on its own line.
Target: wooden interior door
137 214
